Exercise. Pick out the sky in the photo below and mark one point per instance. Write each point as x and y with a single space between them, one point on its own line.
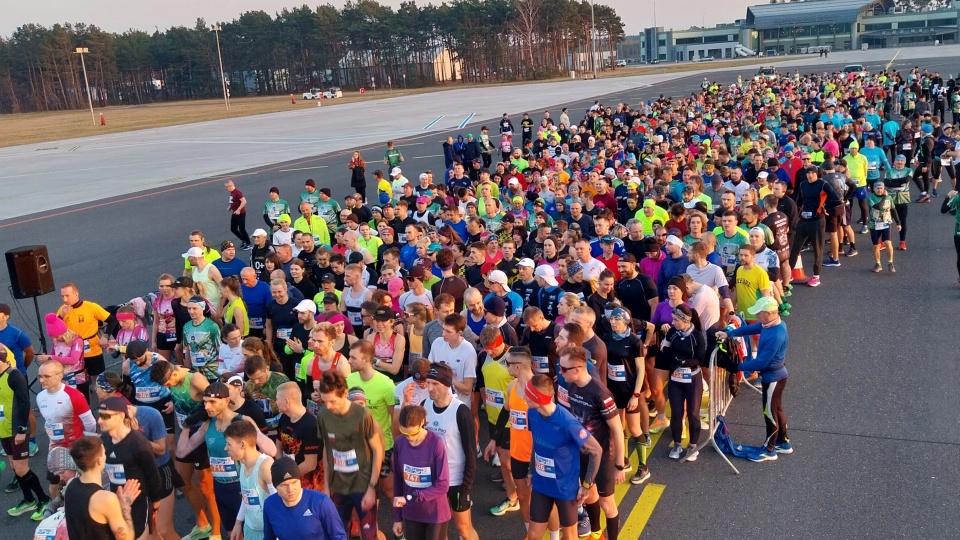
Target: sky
120 15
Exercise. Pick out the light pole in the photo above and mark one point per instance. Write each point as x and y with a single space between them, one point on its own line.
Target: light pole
593 40
81 51
223 78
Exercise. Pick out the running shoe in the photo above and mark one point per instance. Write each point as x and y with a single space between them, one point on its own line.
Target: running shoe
892 268
33 448
506 506
41 513
583 522
196 533
924 199
785 306
497 476
788 287
864 229
765 455
852 252
787 293
641 476
692 453
627 467
676 451
831 262
3 452
877 268
783 448
934 192
785 313
22 508
814 281
12 486
903 245
479 452
658 424
647 441
246 247
496 460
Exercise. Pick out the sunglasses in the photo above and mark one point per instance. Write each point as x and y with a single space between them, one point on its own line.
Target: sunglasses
567 369
106 415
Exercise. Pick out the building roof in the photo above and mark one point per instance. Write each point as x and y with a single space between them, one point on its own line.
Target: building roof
767 16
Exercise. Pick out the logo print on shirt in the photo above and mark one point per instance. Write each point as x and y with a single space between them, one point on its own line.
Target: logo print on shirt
308 513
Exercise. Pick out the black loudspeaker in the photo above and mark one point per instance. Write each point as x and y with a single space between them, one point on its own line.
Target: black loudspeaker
30 272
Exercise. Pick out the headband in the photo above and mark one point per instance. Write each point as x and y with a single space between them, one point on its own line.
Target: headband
536 395
126 316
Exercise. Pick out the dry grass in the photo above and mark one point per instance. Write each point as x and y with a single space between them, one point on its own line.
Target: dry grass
50 126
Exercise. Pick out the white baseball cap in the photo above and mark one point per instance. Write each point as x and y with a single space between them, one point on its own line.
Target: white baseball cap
498 276
193 252
526 262
395 171
545 271
306 305
259 232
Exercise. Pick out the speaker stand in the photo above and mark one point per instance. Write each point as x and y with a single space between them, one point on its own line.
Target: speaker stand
43 338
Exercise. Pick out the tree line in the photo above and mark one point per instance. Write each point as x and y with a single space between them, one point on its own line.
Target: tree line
363 44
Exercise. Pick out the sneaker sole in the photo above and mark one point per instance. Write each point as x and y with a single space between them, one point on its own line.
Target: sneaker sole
785 452
765 458
637 480
27 510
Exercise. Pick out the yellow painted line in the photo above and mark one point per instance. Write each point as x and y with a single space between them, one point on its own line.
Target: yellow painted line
890 63
640 515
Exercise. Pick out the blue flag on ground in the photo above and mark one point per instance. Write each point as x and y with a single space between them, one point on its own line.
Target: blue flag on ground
727 446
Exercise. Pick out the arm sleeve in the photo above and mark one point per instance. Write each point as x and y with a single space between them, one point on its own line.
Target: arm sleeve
469 441
724 291
442 480
76 353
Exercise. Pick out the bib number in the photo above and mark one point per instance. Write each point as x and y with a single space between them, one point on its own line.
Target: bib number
223 470
541 364
198 359
54 431
617 373
116 474
518 420
683 375
417 477
345 462
494 398
283 333
251 497
545 466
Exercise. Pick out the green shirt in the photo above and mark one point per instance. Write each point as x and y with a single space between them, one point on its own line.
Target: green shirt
393 157
379 390
266 397
312 198
953 205
346 448
329 211
203 342
274 209
729 249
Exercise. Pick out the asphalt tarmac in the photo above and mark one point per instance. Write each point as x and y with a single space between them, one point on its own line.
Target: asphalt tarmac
871 399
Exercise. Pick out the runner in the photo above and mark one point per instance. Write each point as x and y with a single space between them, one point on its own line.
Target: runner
421 480
91 511
14 429
882 214
298 437
493 382
682 350
558 439
295 512
254 474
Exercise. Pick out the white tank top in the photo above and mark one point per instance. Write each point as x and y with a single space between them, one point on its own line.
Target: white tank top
211 290
353 304
253 495
445 425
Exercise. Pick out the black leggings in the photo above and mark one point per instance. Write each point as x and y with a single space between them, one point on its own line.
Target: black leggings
773 415
416 530
922 180
956 245
238 226
685 397
812 230
902 210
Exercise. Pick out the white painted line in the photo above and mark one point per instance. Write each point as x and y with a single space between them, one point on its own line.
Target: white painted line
435 120
304 168
466 120
425 157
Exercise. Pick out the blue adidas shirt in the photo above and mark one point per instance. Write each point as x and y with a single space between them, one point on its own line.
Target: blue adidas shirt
557 440
314 517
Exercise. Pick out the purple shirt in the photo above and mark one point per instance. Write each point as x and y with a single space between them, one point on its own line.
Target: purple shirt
664 313
421 471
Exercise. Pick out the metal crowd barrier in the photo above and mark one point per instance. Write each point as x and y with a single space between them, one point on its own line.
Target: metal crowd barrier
719 400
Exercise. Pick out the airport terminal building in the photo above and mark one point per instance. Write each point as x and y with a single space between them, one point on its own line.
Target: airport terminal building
800 27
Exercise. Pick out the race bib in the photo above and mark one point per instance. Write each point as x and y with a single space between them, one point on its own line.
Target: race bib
617 372
283 333
356 319
147 395
683 375
563 397
316 239
494 398
882 226
256 322
223 470
3 415
86 347
907 146
518 420
806 215
345 462
170 336
198 359
181 418
541 364
251 497
313 407
545 466
417 477
115 473
54 431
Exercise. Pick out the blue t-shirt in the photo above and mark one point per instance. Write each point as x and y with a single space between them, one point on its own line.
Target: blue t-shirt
151 424
556 453
314 517
256 298
16 340
231 268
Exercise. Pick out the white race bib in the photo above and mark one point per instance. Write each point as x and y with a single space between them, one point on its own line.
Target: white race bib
563 397
541 364
494 398
417 477
251 497
115 473
545 466
882 226
518 420
345 462
198 359
682 375
617 372
54 431
283 333
223 470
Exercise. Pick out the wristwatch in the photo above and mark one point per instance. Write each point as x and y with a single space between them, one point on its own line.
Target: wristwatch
586 485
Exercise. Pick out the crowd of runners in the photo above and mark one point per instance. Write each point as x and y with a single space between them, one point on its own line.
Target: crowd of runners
543 304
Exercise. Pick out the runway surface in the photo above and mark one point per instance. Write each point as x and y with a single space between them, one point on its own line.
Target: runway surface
873 359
